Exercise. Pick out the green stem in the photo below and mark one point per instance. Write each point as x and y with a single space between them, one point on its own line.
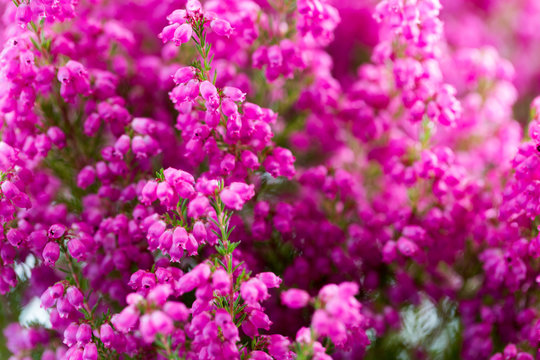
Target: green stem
223 223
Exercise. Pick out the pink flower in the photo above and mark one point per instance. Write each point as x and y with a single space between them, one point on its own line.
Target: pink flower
176 310
295 298
407 247
253 291
193 7
221 27
148 194
125 321
10 190
51 253
106 334
199 207
23 14
167 34
74 296
184 74
86 177
155 323
236 194
182 34
57 136
90 351
194 278
221 281
56 231
84 334
269 279
76 249
209 94
234 94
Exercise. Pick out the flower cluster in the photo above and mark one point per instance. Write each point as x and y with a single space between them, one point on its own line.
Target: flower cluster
269 179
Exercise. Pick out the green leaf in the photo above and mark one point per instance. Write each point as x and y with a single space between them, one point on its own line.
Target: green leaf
35 43
239 309
233 246
86 314
230 232
242 318
237 266
221 250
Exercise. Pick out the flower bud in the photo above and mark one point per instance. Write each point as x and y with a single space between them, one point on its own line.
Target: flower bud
86 177
199 232
106 334
193 7
51 253
64 307
182 34
161 322
221 27
15 237
228 163
24 13
56 231
191 245
269 279
165 240
57 136
250 160
166 195
47 300
74 296
221 281
295 298
92 124
148 194
180 236
125 321
76 249
176 310
90 351
123 144
37 239
84 334
167 33
407 247
70 334
159 294
10 190
184 74
57 290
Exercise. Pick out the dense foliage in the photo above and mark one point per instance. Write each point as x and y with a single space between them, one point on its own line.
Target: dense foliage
270 179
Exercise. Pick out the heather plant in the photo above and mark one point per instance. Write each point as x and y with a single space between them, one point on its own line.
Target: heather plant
269 179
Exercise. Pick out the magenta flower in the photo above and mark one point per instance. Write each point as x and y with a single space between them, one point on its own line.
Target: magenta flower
74 296
221 27
86 177
126 320
51 253
295 298
182 34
